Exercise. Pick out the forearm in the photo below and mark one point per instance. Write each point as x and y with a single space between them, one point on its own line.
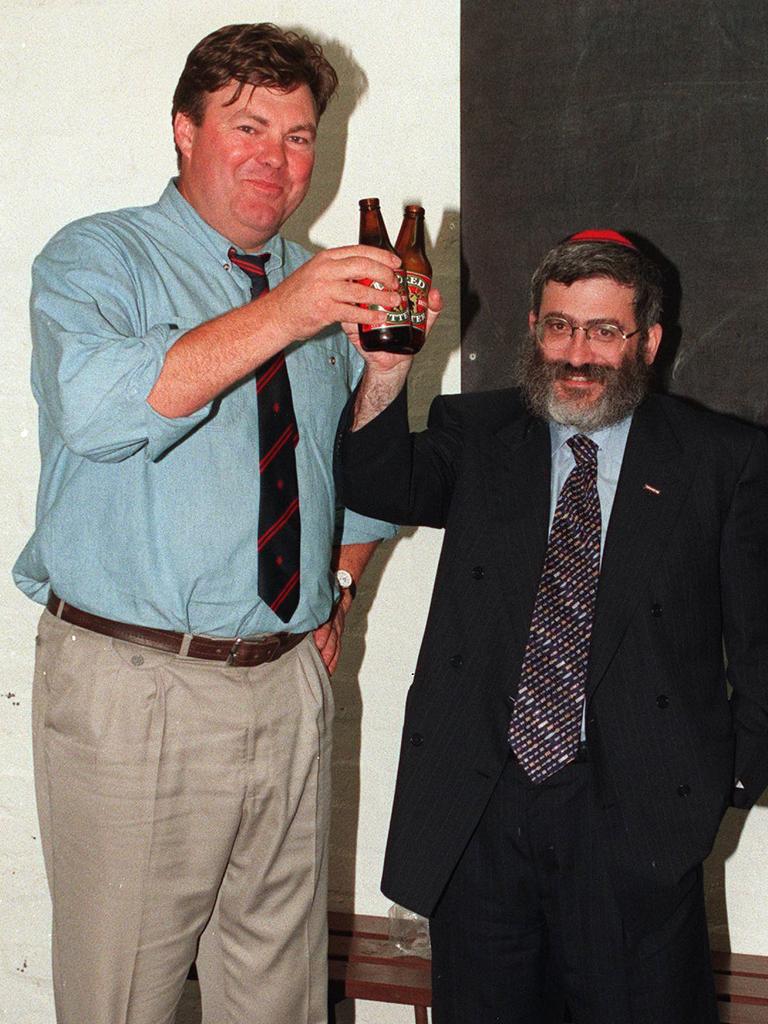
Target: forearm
210 358
206 361
377 391
353 558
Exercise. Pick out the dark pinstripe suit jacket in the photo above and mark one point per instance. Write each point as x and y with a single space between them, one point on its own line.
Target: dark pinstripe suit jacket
684 573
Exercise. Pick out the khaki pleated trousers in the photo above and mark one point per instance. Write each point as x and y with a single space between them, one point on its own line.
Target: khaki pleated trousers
168 787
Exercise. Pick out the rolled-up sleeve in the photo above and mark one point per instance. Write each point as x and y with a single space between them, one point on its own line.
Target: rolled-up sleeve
95 358
359 529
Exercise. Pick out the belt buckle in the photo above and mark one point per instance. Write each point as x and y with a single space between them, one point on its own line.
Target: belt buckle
232 656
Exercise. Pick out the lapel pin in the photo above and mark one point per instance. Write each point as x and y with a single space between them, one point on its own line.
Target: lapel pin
651 489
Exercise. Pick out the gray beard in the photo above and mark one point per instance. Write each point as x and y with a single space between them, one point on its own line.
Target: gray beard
625 388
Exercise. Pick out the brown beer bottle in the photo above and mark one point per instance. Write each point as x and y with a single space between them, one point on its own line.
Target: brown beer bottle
394 335
410 248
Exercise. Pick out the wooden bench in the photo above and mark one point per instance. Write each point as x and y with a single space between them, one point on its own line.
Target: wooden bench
742 987
363 964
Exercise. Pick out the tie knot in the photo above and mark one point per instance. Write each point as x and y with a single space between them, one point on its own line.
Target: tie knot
251 264
254 267
584 450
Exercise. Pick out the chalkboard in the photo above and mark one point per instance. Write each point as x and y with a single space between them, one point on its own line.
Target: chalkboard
648 117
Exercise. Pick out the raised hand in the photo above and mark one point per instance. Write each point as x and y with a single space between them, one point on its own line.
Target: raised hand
327 290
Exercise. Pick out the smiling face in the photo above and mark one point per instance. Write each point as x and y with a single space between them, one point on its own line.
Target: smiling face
247 166
574 384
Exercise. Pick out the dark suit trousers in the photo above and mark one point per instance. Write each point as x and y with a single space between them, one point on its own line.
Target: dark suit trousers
529 922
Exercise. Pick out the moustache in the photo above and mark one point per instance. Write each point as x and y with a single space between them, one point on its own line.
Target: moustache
592 371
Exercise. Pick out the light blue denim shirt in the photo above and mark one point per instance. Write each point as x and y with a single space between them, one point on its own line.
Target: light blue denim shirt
151 520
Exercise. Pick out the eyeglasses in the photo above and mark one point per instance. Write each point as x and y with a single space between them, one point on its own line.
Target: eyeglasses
556 332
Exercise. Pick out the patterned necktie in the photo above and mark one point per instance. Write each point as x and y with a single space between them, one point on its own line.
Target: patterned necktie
545 727
279 543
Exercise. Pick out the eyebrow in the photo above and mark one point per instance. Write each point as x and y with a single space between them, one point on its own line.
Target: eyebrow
307 126
589 323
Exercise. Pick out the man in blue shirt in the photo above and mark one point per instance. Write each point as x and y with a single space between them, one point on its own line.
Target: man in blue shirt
182 710
570 744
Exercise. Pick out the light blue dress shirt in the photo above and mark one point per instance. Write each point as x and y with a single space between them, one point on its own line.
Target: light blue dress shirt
611 442
151 520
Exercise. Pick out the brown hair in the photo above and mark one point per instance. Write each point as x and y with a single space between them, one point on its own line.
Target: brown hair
571 261
260 54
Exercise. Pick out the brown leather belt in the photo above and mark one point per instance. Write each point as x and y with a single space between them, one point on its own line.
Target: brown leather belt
232 650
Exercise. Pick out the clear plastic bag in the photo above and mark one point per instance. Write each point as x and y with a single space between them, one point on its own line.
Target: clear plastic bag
408 931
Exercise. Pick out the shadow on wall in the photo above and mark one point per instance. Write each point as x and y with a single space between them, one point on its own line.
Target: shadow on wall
331 143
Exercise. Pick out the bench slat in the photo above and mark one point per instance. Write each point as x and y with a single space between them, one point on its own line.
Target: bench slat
381 983
741 989
740 963
742 1013
368 925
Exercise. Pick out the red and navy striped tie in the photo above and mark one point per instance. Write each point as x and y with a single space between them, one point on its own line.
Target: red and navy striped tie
545 727
279 543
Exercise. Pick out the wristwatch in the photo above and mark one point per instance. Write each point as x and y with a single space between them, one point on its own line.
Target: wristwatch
346 582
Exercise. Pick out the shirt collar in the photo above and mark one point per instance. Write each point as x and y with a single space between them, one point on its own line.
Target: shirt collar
606 438
173 204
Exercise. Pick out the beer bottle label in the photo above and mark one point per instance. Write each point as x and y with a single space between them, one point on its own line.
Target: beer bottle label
397 316
418 290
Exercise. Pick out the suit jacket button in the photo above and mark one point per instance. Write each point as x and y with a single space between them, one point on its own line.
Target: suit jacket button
456 660
416 739
656 610
684 790
662 700
478 572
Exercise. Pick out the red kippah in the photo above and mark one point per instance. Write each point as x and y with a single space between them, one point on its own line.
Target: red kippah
605 235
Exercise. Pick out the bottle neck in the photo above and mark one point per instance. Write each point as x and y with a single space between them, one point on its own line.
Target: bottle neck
373 230
411 234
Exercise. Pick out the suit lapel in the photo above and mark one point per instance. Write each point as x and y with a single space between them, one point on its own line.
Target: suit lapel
655 477
518 480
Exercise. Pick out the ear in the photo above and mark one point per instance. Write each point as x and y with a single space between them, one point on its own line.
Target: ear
652 343
532 318
184 131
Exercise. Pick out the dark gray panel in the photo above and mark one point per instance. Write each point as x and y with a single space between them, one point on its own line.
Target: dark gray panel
648 117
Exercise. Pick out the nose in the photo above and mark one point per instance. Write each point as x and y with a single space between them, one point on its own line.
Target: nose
271 152
580 351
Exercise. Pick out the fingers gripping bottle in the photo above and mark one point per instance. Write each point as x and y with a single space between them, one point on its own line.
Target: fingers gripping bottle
394 335
411 250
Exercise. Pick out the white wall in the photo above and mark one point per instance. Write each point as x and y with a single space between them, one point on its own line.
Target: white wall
86 126
86 92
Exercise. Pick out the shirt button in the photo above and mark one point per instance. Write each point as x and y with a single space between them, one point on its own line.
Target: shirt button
684 790
137 660
662 700
332 360
416 739
478 572
656 611
227 266
456 660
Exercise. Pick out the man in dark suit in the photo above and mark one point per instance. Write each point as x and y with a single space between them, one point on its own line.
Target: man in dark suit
570 746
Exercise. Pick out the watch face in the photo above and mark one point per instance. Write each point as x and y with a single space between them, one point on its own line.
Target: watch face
344 579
